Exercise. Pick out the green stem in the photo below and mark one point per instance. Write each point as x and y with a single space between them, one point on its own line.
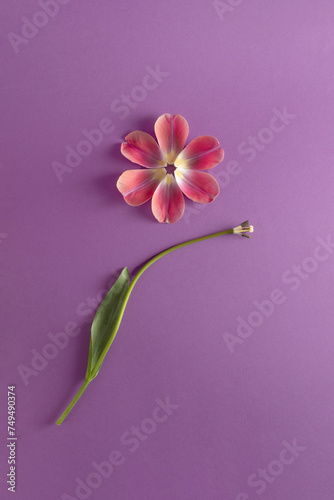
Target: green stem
73 402
94 372
136 278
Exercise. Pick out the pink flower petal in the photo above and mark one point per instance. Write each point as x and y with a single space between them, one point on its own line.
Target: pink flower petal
198 186
140 147
201 154
172 134
138 186
168 201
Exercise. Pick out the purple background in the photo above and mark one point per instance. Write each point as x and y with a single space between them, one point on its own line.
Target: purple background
61 243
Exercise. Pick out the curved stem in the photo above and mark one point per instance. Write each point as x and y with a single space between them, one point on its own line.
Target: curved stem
97 367
136 278
73 402
169 250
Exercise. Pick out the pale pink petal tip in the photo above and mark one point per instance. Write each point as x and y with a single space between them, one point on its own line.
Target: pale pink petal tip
202 153
141 148
196 185
168 201
138 186
172 134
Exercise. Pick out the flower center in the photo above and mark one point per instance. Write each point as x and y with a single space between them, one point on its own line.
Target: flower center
170 169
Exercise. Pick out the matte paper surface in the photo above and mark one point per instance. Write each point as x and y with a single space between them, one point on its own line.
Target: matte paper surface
219 385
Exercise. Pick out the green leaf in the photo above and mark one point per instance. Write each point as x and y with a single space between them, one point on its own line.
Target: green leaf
106 323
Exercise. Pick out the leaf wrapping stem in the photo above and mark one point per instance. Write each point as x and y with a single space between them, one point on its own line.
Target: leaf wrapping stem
93 371
136 278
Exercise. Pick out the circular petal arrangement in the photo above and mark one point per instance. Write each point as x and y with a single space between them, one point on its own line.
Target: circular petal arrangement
156 181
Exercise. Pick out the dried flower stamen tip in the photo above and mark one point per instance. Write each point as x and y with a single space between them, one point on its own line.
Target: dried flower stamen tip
244 228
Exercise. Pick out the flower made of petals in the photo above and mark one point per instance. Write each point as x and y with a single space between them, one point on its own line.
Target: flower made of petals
156 182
